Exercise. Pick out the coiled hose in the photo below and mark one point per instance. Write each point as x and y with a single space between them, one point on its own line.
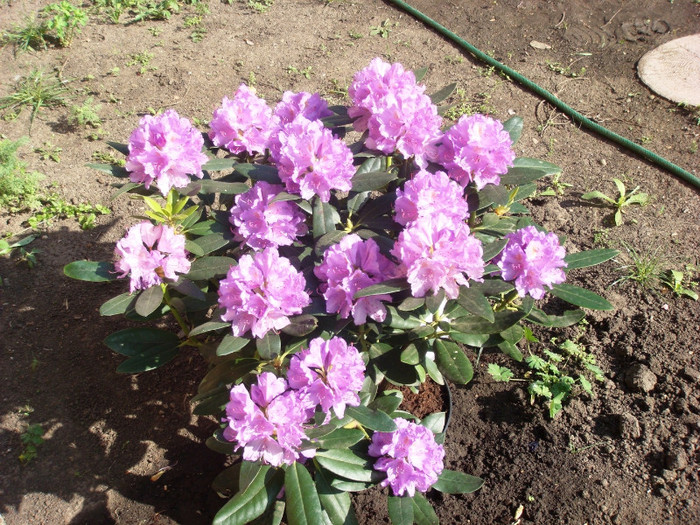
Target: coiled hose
552 99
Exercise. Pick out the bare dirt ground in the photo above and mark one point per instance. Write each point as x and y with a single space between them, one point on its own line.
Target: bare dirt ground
628 456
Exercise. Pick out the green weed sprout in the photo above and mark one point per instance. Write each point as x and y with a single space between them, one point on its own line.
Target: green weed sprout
65 21
19 188
624 199
31 438
34 91
674 280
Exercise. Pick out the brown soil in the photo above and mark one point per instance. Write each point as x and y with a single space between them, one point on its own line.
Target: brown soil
629 455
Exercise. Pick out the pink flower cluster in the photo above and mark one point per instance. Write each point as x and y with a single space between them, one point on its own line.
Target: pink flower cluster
392 106
243 123
328 373
533 259
350 266
429 194
261 223
165 148
478 149
151 254
310 160
261 292
410 457
267 422
436 253
311 107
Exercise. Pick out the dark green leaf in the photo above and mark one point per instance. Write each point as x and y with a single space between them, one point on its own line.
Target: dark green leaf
226 482
580 297
372 180
453 482
112 169
492 287
208 187
475 302
149 300
452 362
568 318
387 401
117 305
188 288
258 172
400 510
478 325
225 373
526 170
210 267
231 344
135 341
210 243
420 73
219 164
269 346
411 303
91 271
329 239
125 189
372 419
435 422
588 258
210 326
346 463
510 350
301 325
207 227
514 127
491 194
492 249
423 512
252 501
341 438
325 218
442 94
194 248
387 287
335 502
119 146
303 504
149 360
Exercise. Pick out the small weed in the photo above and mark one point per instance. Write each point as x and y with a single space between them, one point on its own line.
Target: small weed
354 34
33 35
85 115
19 188
566 70
675 280
143 61
556 187
6 248
251 79
383 29
155 31
32 438
49 152
260 6
107 158
114 71
623 200
197 35
693 149
306 72
645 139
54 207
35 91
486 71
465 105
65 21
453 61
643 268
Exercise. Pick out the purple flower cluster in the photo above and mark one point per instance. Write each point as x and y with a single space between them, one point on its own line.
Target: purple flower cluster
410 457
436 252
261 293
261 223
267 422
392 106
310 106
478 149
350 266
151 254
243 123
429 194
328 373
533 259
165 148
310 160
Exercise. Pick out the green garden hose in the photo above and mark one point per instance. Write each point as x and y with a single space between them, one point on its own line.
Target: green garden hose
552 99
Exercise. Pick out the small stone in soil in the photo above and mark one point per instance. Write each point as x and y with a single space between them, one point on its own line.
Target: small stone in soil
639 378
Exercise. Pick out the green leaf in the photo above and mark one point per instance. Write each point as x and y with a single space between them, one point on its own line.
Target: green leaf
258 172
226 482
372 419
423 512
442 94
91 271
209 326
149 300
149 360
478 325
252 501
188 288
597 195
329 239
618 217
269 346
400 510
207 227
500 373
300 325
340 438
492 249
208 187
420 73
231 344
475 302
514 127
372 180
510 350
225 373
135 341
492 287
580 297
117 305
568 318
335 502
588 258
452 362
346 463
119 146
387 401
210 267
210 243
386 287
124 189
112 169
372 164
434 422
526 170
453 482
303 504
219 164
194 248
325 217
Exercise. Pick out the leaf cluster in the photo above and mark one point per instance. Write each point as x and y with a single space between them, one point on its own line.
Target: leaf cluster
19 188
56 24
623 199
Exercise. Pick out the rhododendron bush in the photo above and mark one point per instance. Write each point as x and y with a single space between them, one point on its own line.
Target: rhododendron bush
318 257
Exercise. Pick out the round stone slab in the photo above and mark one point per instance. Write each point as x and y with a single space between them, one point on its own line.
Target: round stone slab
673 70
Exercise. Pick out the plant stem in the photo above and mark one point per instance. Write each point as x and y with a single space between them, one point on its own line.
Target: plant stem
507 300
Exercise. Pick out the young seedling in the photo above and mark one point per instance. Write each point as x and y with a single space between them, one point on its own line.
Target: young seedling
64 21
35 91
31 438
556 188
674 280
644 268
33 35
623 200
382 29
49 152
19 188
85 115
